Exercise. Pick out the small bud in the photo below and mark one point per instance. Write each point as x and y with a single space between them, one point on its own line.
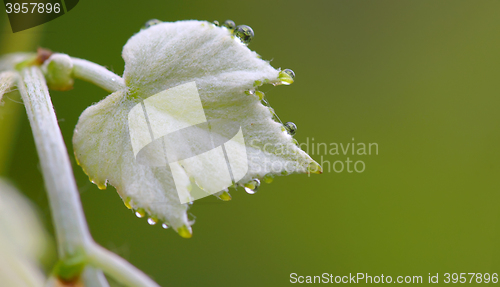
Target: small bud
58 71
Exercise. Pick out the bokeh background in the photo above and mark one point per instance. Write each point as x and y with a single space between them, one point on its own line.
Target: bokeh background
420 78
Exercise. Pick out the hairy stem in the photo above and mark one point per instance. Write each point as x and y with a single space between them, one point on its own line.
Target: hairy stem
10 112
121 270
71 228
94 277
97 75
73 236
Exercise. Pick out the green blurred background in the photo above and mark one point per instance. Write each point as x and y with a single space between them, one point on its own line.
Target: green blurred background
420 78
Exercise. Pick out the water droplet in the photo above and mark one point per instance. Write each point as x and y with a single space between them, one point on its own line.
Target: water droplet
216 23
140 213
314 167
151 22
164 225
286 77
268 178
291 128
244 33
259 94
128 202
295 142
152 221
229 24
289 72
225 196
185 231
271 110
250 92
252 187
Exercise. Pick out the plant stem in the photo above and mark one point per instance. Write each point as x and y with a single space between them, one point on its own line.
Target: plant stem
121 270
10 112
94 277
97 74
72 232
71 228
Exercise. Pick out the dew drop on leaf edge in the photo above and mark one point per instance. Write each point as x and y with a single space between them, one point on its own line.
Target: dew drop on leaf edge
291 128
152 221
289 72
244 33
140 213
253 186
151 22
229 24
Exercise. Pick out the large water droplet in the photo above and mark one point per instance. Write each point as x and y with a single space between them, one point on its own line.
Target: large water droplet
151 22
164 225
286 77
140 213
152 221
291 128
244 33
229 24
253 186
289 72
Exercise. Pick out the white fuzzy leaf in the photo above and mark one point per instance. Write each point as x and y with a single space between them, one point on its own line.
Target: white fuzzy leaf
165 56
